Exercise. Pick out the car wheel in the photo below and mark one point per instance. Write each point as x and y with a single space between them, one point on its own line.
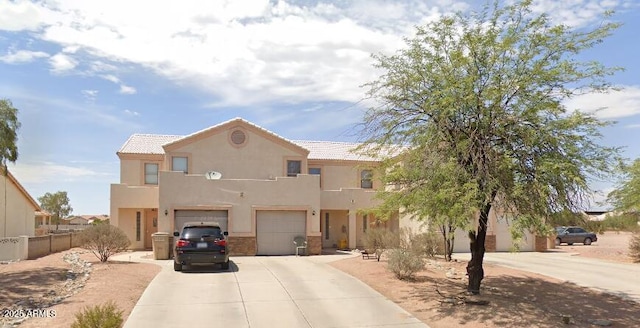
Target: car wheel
587 241
225 265
177 266
558 241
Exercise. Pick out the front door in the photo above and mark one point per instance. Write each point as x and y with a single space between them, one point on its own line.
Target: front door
150 226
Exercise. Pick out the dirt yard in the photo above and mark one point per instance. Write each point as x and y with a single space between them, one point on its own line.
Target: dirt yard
516 299
52 290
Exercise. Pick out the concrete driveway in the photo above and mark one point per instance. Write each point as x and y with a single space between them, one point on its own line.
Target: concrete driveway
283 291
616 278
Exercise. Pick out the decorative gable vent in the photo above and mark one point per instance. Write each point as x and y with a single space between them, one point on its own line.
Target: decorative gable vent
238 137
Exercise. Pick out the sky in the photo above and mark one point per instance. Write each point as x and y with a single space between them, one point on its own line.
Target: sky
85 75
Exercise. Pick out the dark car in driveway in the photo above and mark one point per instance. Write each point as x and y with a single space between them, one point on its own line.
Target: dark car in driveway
200 243
571 235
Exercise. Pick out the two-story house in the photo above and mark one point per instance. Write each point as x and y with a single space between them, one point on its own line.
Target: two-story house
262 188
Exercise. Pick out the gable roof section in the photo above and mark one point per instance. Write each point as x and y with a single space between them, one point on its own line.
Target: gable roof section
147 144
22 190
335 151
156 144
230 124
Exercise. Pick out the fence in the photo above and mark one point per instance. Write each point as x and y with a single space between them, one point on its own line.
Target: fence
14 248
23 247
53 227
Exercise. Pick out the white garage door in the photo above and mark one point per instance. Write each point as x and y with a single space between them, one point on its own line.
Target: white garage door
183 216
276 229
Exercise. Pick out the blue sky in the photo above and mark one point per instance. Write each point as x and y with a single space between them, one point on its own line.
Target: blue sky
85 75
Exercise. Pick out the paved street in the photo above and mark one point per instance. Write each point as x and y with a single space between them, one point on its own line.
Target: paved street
283 291
616 278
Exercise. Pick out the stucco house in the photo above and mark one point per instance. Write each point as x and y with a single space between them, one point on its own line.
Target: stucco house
17 208
263 188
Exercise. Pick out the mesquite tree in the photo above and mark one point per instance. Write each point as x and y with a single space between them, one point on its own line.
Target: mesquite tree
480 97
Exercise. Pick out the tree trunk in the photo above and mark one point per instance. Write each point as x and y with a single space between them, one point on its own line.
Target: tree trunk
474 267
446 242
452 240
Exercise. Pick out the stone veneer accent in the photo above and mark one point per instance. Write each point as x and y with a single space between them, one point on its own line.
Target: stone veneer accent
490 243
242 245
541 244
314 244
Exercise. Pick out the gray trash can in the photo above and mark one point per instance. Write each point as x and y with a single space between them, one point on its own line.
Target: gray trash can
160 246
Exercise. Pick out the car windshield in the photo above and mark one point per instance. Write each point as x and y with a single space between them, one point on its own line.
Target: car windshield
560 229
199 232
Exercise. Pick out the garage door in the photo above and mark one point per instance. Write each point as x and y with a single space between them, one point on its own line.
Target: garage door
276 229
183 216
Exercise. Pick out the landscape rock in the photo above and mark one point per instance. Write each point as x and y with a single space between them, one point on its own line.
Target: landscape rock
74 280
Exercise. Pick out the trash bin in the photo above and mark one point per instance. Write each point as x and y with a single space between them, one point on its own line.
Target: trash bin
342 244
160 246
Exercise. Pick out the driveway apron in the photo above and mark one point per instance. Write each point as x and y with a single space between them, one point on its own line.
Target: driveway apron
283 291
611 277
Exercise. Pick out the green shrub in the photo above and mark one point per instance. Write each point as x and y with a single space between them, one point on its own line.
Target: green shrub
378 240
404 263
100 316
634 247
621 222
427 243
104 240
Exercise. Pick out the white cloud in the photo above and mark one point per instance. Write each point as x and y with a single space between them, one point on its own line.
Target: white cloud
617 104
127 90
244 53
578 13
131 113
90 95
49 171
22 15
22 56
256 50
61 63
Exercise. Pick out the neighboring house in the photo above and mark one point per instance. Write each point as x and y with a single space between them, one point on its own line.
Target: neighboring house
42 218
262 188
75 220
598 215
17 208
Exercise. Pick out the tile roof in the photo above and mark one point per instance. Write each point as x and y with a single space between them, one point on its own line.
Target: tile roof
147 143
318 150
333 150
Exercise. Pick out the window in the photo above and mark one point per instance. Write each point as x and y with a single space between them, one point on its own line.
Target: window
326 226
316 171
151 173
365 179
137 226
364 223
293 168
179 164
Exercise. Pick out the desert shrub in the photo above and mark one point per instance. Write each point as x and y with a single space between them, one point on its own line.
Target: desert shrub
424 244
634 247
622 222
595 226
100 316
404 263
104 240
379 239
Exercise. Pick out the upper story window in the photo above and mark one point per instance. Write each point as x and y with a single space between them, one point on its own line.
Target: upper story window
151 173
294 168
179 163
366 181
